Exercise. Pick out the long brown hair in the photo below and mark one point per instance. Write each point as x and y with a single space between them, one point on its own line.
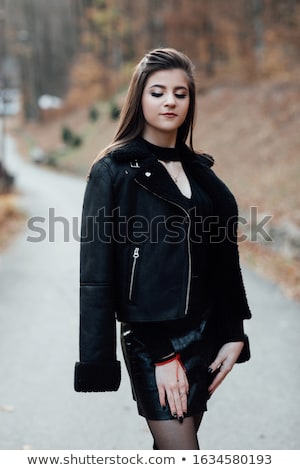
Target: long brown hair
132 121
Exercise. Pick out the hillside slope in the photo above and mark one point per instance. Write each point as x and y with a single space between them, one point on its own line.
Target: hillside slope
253 133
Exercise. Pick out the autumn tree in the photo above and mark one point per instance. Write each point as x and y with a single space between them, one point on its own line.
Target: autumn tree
85 49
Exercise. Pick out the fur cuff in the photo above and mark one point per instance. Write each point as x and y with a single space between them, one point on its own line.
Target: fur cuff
95 377
245 354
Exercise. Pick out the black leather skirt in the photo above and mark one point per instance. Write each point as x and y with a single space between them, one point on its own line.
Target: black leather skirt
195 357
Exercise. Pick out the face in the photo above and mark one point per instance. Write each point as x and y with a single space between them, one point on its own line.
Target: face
165 103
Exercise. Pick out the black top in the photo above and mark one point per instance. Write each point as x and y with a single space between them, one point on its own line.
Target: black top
164 153
156 335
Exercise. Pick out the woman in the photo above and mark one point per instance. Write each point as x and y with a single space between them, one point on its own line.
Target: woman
159 253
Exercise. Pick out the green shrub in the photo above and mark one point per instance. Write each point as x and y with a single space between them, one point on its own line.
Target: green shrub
67 135
77 141
70 138
93 114
114 111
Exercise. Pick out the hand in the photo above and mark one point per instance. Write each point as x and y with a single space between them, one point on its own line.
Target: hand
225 360
172 384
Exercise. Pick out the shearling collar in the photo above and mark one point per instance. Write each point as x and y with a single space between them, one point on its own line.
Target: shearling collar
138 150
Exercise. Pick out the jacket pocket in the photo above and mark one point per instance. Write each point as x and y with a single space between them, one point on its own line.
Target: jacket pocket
134 264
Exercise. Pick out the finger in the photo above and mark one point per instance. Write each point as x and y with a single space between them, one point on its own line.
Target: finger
178 403
215 383
183 389
216 364
187 386
162 396
174 400
223 372
171 402
180 396
183 397
183 381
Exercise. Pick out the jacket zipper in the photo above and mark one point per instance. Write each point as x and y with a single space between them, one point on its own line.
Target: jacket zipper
136 254
188 241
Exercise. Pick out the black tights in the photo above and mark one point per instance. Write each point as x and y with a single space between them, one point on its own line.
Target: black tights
172 435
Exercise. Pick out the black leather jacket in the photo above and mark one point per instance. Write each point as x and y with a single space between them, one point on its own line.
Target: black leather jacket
136 257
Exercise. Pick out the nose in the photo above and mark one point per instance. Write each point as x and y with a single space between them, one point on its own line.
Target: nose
170 99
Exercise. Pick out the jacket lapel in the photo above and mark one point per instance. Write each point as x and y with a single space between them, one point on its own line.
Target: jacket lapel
155 178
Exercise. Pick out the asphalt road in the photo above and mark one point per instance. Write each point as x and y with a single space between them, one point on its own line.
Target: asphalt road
257 406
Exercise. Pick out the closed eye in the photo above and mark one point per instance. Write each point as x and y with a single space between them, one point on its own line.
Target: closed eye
177 95
156 95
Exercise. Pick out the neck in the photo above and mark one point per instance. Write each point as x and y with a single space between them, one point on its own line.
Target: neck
160 139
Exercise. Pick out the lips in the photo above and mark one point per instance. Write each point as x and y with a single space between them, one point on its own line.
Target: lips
169 114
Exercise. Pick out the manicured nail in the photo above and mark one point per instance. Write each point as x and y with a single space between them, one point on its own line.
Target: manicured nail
209 370
180 419
175 415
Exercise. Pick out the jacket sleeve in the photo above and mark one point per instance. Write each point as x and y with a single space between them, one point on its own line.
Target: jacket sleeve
231 305
233 294
98 369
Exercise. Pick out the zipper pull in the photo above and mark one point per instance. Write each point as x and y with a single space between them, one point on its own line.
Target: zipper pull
136 252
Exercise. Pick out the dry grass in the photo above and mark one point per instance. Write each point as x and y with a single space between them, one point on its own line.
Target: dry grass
280 269
11 219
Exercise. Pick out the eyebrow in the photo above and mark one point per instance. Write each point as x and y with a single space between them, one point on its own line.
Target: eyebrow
181 87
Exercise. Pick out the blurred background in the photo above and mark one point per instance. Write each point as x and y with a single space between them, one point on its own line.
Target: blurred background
64 66
64 69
